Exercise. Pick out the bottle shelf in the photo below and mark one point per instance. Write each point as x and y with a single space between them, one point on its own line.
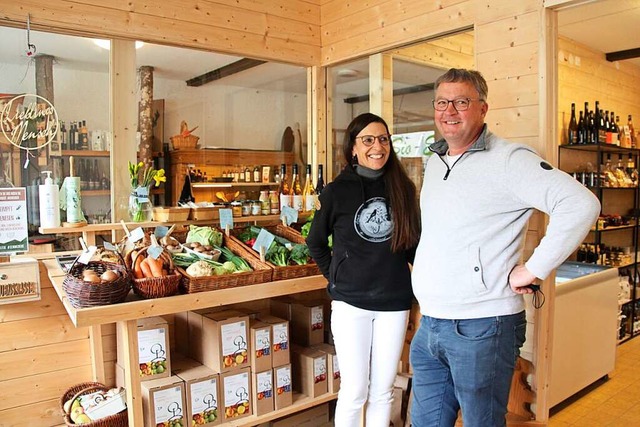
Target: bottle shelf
233 184
95 193
614 228
86 153
608 148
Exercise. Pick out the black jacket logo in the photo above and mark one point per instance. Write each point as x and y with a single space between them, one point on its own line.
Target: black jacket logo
373 221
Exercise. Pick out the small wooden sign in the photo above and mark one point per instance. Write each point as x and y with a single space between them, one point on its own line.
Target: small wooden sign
19 281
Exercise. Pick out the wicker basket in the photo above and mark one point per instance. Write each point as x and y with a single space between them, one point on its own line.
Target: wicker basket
290 271
83 294
261 273
184 142
117 420
156 287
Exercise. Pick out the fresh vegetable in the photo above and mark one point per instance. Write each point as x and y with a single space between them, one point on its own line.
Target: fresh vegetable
199 269
300 254
277 254
155 265
239 262
146 270
137 269
204 236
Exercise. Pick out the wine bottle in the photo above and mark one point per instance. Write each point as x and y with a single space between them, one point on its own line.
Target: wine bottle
622 135
607 128
296 190
283 189
615 131
632 135
63 137
84 136
94 180
582 130
593 129
572 137
599 121
319 181
308 192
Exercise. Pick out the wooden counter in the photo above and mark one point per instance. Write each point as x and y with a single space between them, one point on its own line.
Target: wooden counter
125 316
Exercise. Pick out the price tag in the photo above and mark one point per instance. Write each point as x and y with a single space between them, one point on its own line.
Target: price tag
137 234
289 215
161 231
85 256
143 194
264 240
226 218
155 251
110 247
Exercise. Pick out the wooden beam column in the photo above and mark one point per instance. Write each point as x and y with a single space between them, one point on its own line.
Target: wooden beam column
123 102
145 115
381 87
44 77
317 118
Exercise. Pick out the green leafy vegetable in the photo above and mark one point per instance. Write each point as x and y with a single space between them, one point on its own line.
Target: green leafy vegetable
300 254
204 236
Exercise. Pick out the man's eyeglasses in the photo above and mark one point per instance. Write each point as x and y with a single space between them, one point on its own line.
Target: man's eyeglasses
460 104
369 140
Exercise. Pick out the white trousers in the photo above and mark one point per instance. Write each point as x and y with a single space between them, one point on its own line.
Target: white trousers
368 345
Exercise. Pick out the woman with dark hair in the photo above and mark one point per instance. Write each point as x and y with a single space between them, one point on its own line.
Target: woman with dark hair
371 211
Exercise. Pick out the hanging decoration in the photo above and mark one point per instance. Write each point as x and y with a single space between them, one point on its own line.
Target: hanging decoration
31 48
29 122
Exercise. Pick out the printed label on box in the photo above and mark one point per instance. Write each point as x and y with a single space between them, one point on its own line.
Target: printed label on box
319 369
152 356
168 405
236 395
336 367
280 337
283 380
263 342
234 343
316 318
265 385
204 401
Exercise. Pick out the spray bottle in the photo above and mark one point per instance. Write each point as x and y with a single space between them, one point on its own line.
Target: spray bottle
49 203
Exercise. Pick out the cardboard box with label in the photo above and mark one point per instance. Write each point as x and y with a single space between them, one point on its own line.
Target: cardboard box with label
262 386
220 340
260 345
163 402
280 343
153 348
333 367
307 323
202 387
309 371
283 395
236 394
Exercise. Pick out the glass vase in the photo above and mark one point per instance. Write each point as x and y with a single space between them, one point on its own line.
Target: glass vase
140 205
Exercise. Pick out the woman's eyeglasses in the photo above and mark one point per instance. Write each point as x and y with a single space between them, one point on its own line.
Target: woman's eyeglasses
369 140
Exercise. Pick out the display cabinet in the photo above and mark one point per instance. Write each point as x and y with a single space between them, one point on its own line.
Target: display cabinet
610 172
214 163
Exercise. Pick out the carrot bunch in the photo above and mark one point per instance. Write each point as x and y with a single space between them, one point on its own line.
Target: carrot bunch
145 266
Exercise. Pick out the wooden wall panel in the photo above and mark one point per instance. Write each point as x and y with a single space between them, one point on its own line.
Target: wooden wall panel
453 51
44 413
256 29
37 332
42 359
48 305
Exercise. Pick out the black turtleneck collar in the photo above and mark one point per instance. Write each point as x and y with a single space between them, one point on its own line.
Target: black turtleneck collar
365 172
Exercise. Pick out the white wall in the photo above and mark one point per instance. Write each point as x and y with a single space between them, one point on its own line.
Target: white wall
231 116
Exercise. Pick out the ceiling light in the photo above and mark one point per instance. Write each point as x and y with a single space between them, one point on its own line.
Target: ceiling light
347 72
106 44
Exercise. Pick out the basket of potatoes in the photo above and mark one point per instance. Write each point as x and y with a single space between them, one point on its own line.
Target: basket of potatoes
97 283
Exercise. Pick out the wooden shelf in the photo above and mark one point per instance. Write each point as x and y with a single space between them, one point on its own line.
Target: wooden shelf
86 153
95 193
136 308
233 184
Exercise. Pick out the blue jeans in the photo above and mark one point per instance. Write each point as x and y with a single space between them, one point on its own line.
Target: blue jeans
464 364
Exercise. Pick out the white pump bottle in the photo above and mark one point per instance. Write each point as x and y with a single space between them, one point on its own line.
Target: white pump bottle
49 203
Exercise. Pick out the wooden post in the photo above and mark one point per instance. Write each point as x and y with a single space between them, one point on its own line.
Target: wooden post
145 115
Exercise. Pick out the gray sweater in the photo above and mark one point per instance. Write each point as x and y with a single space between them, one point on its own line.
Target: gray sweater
474 220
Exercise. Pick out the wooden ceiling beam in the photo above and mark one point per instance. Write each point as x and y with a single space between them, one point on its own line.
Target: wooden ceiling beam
623 54
225 71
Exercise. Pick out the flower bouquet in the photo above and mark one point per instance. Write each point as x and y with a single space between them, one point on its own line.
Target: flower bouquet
142 178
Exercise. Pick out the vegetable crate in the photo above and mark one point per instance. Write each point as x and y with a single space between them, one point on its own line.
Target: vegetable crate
261 272
282 272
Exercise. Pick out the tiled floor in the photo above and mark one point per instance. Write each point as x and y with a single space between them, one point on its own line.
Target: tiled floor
613 403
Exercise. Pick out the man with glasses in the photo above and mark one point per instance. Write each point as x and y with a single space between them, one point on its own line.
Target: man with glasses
478 193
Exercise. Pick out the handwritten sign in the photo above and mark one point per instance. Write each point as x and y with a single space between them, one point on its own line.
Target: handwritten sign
414 144
226 218
27 118
14 232
263 240
289 215
137 234
161 231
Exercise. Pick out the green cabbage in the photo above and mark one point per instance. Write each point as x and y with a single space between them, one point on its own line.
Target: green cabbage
204 236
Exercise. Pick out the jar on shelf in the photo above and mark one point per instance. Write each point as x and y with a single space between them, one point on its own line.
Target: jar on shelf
256 207
265 204
274 202
246 208
236 209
